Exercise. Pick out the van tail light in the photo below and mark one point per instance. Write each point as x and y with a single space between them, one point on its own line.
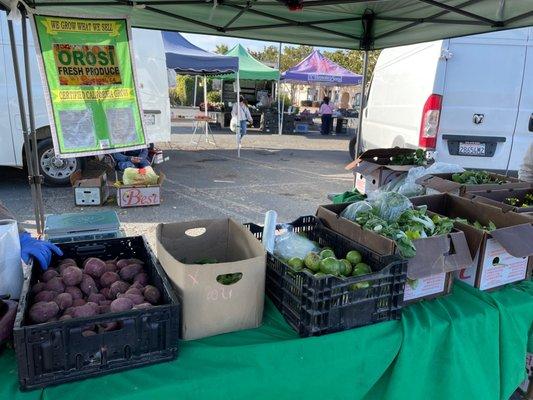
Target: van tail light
429 126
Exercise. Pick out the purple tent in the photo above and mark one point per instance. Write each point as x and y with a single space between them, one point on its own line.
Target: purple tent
317 69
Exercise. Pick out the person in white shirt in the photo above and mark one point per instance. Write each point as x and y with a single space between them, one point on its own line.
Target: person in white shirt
245 116
525 172
325 111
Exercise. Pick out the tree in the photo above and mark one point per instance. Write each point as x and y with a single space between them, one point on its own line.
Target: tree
221 48
353 59
268 54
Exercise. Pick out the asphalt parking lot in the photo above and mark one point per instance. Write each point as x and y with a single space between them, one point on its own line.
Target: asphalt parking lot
290 174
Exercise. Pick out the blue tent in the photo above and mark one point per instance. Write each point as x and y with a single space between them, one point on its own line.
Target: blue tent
184 57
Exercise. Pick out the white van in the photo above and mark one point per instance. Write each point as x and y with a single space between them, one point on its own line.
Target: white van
153 85
469 98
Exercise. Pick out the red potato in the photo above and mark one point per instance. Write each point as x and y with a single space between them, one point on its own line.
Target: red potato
65 317
64 301
78 302
38 287
142 278
121 304
87 310
67 261
94 267
72 275
88 285
134 290
94 306
55 284
43 311
106 292
122 263
49 274
128 272
45 295
95 298
152 294
108 278
138 286
141 306
117 288
110 267
74 291
135 298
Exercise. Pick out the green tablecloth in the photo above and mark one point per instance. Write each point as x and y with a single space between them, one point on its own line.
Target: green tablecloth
468 345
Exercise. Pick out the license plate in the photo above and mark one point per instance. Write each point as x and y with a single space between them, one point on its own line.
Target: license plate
472 149
149 119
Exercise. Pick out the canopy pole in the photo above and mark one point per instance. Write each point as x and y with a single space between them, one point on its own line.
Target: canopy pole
33 179
361 105
280 113
195 89
238 130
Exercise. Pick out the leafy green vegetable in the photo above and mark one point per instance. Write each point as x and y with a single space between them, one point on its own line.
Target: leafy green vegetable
516 202
411 225
474 178
418 157
478 225
348 197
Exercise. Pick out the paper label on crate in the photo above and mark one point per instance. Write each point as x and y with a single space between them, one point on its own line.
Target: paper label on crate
499 267
137 197
416 288
468 275
85 196
360 183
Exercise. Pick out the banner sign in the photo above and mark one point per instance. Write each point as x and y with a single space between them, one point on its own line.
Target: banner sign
324 78
89 82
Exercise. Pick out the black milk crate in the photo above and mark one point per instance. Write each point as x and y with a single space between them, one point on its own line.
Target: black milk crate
56 352
318 305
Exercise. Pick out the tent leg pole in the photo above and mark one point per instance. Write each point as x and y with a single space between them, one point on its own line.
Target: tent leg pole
33 134
195 89
280 113
361 105
205 109
238 130
24 123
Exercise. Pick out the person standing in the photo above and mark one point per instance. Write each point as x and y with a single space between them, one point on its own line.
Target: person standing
325 111
245 116
525 173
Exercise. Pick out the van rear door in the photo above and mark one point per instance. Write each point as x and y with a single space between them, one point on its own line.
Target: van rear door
481 96
523 135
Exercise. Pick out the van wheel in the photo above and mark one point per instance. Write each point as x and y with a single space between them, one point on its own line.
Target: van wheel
56 171
351 147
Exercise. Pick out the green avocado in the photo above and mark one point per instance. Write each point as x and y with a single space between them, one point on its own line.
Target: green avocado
354 257
347 267
326 253
331 266
361 269
296 263
312 261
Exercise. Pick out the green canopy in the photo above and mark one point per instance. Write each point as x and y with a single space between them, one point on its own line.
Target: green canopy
250 68
351 24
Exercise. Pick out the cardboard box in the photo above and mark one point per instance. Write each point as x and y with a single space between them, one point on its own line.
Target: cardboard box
372 169
497 198
499 257
525 385
436 257
140 196
90 188
442 183
209 307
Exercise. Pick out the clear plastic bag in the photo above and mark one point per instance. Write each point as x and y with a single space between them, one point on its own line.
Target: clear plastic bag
140 176
354 209
291 244
390 205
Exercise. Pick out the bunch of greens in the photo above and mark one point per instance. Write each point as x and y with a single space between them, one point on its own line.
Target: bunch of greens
516 202
418 157
478 225
474 178
412 224
348 197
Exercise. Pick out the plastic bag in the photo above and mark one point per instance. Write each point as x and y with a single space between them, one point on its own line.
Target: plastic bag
11 276
390 205
354 209
233 124
140 176
290 244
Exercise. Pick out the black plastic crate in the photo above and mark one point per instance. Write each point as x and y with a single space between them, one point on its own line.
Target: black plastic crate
56 352
318 305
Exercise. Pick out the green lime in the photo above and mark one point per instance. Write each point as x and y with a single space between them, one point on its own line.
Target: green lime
347 267
312 261
331 266
296 263
326 253
361 269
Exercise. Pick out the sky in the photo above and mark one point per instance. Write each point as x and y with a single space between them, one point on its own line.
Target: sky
208 42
